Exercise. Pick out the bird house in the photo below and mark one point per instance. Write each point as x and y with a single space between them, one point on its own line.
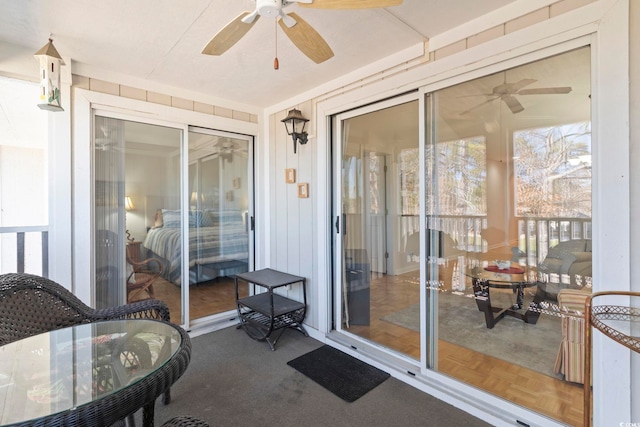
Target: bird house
50 63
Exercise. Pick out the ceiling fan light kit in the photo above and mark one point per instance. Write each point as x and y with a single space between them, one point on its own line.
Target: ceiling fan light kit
301 34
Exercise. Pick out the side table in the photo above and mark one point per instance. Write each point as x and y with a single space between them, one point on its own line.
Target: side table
264 313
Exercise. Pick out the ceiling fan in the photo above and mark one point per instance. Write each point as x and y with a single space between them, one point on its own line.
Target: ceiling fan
506 93
105 142
303 35
223 147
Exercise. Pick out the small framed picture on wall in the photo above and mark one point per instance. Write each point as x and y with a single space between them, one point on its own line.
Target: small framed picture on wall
303 190
290 176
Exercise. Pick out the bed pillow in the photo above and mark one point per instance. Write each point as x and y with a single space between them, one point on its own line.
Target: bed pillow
158 219
209 218
196 219
213 217
170 219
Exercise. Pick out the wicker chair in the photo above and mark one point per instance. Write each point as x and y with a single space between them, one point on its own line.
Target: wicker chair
30 305
143 275
185 421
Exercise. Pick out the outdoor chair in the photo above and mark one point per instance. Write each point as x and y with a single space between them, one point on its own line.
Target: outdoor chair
570 360
30 305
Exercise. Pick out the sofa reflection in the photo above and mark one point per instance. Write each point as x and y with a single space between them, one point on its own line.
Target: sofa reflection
568 265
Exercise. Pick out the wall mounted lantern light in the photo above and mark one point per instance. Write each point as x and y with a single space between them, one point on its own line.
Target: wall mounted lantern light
295 123
50 63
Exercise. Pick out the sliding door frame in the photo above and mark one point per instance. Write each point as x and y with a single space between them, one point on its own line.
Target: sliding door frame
604 26
338 216
86 103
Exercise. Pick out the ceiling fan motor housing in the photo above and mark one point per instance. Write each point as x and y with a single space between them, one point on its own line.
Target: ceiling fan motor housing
270 8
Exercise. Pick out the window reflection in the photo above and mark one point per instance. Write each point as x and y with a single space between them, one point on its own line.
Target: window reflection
509 180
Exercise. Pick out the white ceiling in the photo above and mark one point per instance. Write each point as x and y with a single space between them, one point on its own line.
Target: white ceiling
160 41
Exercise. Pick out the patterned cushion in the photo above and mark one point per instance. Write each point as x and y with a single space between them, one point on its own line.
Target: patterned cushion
206 218
209 218
213 217
570 360
196 218
572 299
170 218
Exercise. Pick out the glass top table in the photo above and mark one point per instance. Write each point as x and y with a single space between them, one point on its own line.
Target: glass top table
93 374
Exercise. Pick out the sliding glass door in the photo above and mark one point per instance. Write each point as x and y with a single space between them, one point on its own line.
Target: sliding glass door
509 188
220 219
137 175
165 231
379 239
490 215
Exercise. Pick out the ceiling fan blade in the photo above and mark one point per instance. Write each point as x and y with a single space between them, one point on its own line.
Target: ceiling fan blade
229 35
287 20
514 87
475 107
475 95
350 4
513 104
248 19
307 39
511 88
545 90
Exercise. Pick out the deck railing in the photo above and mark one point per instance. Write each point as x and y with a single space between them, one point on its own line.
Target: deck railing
535 235
31 254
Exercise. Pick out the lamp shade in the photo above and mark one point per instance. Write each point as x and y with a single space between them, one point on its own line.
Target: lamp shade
128 203
50 63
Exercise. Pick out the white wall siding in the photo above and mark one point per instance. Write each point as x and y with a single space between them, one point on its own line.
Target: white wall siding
292 245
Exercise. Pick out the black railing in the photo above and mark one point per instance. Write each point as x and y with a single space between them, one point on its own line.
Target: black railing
21 253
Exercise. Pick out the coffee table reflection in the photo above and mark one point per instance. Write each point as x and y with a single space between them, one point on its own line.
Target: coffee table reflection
517 278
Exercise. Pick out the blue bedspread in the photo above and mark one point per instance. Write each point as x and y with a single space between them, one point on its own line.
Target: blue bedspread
207 245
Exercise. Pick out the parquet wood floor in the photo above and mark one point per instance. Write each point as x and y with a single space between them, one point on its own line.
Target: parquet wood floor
556 398
205 299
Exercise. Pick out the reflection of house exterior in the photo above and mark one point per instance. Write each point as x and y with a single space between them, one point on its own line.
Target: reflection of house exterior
610 26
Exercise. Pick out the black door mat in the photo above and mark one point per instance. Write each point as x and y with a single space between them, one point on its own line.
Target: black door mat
343 375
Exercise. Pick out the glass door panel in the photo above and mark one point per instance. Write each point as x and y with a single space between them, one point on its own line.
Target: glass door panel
137 213
219 219
381 234
509 197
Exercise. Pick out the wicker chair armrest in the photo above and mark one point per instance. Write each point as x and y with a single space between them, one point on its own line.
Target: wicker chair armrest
146 309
